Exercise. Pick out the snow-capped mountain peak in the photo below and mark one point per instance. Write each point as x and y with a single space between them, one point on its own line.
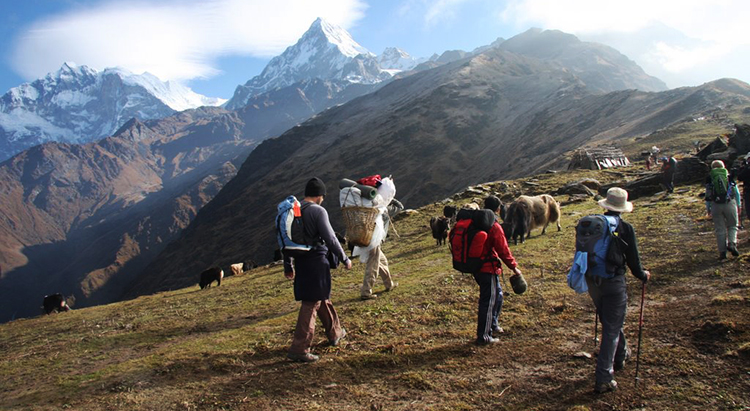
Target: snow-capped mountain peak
78 104
338 37
173 94
395 59
326 51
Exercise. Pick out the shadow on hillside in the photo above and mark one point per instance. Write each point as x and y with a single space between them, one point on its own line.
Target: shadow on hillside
23 289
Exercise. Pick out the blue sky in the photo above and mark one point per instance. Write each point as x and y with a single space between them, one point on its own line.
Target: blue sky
214 45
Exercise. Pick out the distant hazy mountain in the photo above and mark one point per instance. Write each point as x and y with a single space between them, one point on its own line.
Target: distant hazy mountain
78 104
326 52
600 67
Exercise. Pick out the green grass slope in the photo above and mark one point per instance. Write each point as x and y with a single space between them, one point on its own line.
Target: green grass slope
224 348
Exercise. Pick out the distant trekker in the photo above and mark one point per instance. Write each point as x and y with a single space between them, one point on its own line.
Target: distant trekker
743 176
720 194
668 169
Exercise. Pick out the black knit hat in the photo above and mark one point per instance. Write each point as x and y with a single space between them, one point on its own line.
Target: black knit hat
492 203
315 187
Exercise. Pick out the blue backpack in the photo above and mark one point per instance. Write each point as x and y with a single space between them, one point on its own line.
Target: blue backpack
290 231
599 250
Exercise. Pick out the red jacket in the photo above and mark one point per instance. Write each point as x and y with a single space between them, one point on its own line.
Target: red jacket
497 248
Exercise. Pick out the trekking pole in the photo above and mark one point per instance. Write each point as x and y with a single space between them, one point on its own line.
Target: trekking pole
640 333
393 227
596 324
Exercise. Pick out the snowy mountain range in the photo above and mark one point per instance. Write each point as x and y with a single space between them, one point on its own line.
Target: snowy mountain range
78 104
328 52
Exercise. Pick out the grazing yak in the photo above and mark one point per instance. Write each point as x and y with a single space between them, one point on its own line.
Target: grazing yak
440 227
55 302
209 276
527 213
237 269
450 212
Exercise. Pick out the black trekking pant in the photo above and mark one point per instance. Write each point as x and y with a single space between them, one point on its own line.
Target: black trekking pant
610 298
490 304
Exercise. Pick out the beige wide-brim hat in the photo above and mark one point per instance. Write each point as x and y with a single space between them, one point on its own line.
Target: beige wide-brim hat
617 200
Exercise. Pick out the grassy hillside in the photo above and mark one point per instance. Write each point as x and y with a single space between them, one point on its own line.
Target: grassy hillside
411 349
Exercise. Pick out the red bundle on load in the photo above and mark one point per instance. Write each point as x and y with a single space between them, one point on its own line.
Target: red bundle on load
372 181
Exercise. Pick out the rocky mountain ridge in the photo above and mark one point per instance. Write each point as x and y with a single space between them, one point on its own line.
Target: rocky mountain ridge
116 219
493 116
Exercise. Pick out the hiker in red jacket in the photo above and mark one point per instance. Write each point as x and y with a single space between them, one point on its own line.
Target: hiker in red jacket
488 278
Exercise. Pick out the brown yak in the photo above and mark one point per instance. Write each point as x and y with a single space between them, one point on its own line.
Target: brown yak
527 213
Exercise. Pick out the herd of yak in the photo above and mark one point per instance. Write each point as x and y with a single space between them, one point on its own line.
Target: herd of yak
519 218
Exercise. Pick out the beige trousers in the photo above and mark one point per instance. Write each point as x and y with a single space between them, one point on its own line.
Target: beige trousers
305 331
376 265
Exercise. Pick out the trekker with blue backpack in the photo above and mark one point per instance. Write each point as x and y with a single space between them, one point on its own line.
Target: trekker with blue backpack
605 246
309 265
720 191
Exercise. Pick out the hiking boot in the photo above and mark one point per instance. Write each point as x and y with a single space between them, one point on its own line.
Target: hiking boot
733 249
337 341
723 255
601 388
620 365
487 342
306 357
395 284
368 297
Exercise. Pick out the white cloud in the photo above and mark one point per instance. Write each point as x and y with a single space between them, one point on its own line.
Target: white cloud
433 12
441 10
669 38
172 40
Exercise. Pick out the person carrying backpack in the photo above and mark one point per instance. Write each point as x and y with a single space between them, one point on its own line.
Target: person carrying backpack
311 272
488 278
376 263
668 169
720 192
610 295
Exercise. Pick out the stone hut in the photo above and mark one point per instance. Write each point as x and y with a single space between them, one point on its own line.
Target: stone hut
597 158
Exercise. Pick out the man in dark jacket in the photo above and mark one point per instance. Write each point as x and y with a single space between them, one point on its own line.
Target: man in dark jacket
611 298
743 175
668 169
488 279
312 276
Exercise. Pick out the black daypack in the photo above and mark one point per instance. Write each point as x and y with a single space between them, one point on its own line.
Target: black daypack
468 239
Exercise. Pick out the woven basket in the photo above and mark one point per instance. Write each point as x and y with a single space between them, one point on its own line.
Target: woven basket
360 224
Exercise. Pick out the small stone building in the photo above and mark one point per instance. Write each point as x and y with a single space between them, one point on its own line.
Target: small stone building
597 158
